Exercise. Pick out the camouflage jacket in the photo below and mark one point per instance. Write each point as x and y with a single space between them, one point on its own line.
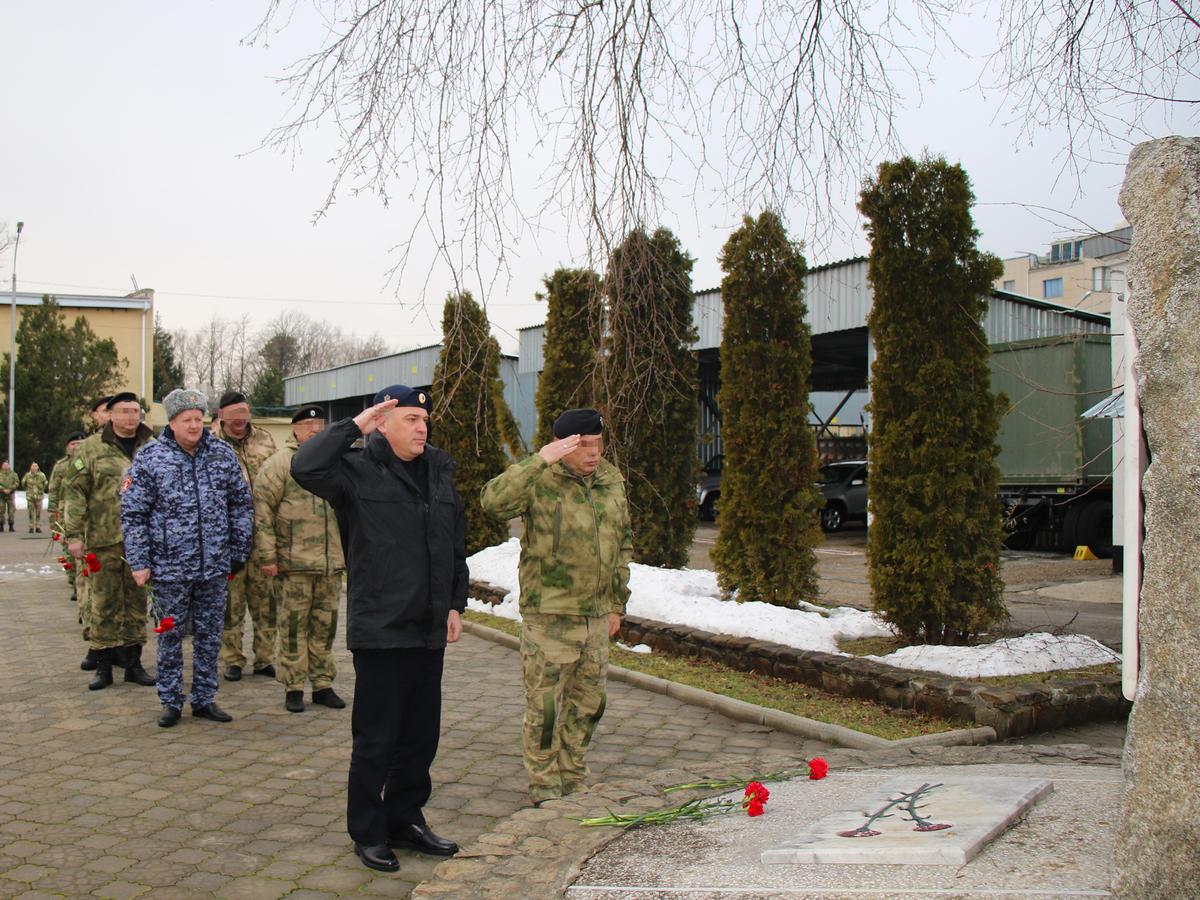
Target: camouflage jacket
91 507
577 544
293 528
57 476
9 481
34 484
251 451
187 517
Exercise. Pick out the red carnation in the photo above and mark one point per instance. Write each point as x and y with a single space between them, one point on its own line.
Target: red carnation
93 563
56 536
755 808
756 791
166 624
68 566
817 768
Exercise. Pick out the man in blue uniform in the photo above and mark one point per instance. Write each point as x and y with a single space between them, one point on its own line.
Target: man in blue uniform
187 515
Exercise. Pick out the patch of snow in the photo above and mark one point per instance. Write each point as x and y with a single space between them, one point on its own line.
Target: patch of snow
1039 652
637 648
691 597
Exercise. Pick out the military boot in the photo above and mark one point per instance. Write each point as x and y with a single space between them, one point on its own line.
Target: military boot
118 657
133 666
103 676
89 661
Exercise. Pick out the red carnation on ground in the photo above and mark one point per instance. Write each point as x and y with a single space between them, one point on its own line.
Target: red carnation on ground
817 768
754 808
166 624
93 563
756 790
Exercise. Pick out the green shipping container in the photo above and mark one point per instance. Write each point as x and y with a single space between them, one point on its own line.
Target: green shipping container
1049 382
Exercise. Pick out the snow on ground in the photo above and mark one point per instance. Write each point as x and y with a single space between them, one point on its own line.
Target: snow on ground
691 597
27 569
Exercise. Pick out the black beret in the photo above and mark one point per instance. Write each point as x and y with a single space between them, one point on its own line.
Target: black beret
123 397
99 402
312 411
578 421
231 397
405 396
75 436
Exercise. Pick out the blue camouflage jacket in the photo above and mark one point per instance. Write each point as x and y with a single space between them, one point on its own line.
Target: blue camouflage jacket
186 517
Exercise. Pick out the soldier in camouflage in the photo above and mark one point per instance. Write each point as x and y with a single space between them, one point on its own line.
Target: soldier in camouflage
296 543
574 572
58 476
250 589
98 417
188 516
34 484
9 483
91 520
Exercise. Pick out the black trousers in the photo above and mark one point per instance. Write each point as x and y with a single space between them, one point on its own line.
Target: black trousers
396 724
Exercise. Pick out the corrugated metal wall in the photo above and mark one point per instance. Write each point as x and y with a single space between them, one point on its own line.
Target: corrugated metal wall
1012 319
412 367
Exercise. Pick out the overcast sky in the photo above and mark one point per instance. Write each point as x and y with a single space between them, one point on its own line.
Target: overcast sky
126 132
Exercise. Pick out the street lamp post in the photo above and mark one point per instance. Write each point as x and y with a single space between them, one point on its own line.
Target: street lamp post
12 353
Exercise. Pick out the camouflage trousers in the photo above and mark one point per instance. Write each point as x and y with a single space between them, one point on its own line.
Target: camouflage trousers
117 606
8 508
250 590
200 604
306 622
564 660
83 601
33 511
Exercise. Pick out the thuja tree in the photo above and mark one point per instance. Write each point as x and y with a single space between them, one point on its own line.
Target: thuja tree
934 542
649 389
468 411
574 312
769 502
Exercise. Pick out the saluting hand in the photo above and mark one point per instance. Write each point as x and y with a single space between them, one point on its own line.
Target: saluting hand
556 450
368 420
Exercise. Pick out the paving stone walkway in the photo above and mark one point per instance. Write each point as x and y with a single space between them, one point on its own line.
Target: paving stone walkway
96 800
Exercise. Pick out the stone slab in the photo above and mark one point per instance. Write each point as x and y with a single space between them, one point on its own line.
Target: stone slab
915 819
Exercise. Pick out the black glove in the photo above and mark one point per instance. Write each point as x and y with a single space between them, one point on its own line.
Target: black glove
236 566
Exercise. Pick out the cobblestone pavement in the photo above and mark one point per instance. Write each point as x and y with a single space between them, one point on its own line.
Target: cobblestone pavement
95 799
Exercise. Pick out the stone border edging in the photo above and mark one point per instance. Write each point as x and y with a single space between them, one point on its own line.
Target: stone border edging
741 711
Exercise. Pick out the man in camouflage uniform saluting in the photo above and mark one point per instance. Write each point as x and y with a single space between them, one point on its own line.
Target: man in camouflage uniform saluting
250 589
296 542
574 572
92 522
188 516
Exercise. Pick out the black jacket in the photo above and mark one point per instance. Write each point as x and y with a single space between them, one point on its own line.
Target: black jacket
406 564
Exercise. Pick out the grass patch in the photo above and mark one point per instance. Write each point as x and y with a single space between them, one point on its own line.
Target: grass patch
871 646
762 690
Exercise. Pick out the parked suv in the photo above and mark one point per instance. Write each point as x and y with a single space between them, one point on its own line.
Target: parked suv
844 486
708 491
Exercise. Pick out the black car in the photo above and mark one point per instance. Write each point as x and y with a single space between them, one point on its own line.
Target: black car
708 491
844 487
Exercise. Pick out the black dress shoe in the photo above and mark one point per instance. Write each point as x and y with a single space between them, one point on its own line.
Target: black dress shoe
380 858
422 839
326 697
211 712
294 701
170 716
233 673
268 670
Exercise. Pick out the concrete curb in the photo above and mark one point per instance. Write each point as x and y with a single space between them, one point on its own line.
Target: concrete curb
741 711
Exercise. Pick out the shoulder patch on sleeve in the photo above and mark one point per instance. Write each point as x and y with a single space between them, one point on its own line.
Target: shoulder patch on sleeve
78 463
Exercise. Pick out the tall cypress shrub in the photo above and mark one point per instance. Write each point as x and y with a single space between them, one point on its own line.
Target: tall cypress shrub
468 411
769 502
934 543
649 377
571 343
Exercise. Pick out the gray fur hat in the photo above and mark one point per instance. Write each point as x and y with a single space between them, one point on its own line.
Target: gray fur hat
182 399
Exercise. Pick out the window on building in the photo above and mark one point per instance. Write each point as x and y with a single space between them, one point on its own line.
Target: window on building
1052 287
1010 285
1101 278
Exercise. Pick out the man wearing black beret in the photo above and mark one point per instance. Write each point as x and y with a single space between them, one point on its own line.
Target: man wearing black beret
250 589
404 533
574 572
98 417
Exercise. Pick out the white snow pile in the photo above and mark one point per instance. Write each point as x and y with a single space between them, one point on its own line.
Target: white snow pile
1038 652
691 597
30 570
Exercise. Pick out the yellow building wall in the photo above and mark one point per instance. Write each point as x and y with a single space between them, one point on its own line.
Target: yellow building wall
132 330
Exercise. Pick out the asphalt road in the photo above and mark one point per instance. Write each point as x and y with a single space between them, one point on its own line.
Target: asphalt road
1044 591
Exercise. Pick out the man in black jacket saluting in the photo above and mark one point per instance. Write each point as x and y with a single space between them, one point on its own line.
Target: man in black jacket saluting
403 531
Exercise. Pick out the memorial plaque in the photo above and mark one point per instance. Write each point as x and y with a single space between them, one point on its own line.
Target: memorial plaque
911 820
